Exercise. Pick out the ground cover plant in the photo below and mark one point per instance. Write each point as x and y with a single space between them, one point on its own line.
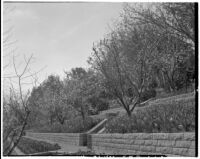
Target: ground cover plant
177 116
29 146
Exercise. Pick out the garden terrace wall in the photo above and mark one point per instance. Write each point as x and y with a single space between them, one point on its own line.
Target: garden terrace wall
64 138
169 144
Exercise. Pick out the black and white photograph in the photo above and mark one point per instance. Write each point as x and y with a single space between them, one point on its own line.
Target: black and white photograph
99 79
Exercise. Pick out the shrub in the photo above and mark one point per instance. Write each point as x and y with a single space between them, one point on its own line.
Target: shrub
114 104
98 104
177 116
102 105
148 94
29 146
93 111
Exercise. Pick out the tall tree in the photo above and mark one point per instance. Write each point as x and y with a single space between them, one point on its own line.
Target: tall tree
174 23
123 80
75 92
53 97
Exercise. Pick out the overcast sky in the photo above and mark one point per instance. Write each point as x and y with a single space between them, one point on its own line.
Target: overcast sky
60 35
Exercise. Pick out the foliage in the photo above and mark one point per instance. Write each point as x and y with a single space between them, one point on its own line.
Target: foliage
123 79
76 125
29 146
172 65
174 116
56 101
98 103
151 46
48 100
84 91
75 93
76 73
147 94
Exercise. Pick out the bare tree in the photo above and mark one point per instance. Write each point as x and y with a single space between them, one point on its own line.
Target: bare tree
19 101
175 18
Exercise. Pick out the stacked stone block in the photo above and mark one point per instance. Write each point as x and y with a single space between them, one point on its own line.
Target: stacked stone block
169 144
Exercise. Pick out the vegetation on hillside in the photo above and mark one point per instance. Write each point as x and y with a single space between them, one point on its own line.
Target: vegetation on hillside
148 49
76 125
170 117
151 47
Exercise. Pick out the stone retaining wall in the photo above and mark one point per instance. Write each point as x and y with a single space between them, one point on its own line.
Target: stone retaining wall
169 144
64 138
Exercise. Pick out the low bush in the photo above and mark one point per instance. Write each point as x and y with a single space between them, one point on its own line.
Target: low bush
98 104
177 116
29 146
147 95
93 111
76 125
103 105
114 104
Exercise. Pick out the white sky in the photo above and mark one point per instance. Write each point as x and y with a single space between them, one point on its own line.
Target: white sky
60 35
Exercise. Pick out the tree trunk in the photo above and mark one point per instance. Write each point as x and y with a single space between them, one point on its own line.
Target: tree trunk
20 135
61 120
83 115
126 107
51 120
129 113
